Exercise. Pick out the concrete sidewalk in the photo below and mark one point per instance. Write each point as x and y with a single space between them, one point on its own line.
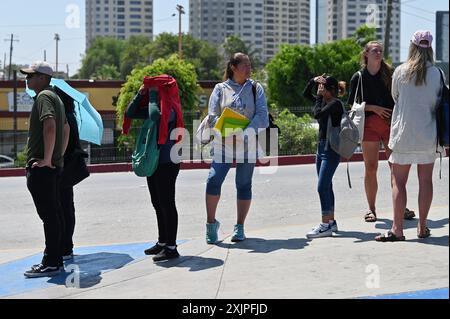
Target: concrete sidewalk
274 263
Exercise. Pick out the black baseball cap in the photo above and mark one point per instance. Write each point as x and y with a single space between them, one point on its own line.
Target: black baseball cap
331 84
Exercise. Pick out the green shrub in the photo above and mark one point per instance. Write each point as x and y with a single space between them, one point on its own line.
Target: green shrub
21 159
186 78
298 136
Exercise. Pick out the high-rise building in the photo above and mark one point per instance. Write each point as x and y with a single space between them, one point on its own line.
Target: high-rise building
345 16
265 24
118 18
442 36
321 21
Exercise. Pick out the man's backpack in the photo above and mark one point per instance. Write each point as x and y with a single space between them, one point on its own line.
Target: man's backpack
442 114
145 158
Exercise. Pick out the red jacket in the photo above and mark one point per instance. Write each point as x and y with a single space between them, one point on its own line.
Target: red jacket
169 99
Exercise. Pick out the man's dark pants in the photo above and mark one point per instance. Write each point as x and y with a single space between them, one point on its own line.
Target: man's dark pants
43 184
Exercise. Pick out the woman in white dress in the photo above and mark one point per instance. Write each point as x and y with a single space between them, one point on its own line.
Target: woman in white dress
413 138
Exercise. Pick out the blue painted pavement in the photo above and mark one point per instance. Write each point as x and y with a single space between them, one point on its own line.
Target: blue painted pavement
423 294
89 262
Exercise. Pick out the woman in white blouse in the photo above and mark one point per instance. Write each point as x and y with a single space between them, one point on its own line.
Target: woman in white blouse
413 139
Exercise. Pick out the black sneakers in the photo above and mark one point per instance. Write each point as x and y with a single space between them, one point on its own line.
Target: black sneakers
166 254
154 250
42 270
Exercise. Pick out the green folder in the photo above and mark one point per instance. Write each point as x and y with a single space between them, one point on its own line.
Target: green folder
232 124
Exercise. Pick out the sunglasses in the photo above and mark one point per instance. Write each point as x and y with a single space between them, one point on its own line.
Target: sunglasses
376 51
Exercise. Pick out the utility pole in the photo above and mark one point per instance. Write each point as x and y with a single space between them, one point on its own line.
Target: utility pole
10 54
180 10
15 113
4 68
387 31
67 68
57 38
45 55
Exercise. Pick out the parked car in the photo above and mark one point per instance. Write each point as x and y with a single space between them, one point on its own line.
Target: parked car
6 161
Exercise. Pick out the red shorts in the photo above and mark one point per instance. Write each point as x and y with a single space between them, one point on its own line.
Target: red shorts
376 129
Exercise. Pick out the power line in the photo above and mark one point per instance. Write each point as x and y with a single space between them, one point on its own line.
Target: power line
421 9
420 17
30 25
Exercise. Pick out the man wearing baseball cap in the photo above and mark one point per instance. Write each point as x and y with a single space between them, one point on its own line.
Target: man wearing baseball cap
48 136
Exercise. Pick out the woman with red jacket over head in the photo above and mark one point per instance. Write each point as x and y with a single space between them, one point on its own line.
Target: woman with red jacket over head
162 183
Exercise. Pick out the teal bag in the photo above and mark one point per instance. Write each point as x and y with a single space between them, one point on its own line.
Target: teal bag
145 158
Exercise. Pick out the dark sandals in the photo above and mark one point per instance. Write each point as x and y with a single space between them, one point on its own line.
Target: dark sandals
426 234
370 217
389 237
409 214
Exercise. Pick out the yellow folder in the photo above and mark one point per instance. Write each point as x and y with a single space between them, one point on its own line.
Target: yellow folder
229 121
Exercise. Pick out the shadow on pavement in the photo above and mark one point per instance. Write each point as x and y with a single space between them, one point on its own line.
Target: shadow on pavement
195 263
359 236
84 271
260 245
386 224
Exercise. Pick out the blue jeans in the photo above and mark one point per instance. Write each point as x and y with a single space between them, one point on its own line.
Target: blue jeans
327 162
244 174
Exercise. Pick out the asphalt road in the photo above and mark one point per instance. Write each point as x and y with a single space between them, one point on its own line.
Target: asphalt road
115 207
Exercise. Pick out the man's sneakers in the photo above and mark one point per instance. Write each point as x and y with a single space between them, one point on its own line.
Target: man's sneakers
166 254
68 256
42 270
212 232
322 230
238 234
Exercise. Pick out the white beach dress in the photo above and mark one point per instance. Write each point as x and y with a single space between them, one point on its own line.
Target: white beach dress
413 137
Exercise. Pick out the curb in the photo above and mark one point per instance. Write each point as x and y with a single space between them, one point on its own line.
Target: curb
199 164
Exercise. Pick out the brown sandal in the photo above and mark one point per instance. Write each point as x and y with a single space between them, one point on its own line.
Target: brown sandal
370 217
426 234
389 237
409 214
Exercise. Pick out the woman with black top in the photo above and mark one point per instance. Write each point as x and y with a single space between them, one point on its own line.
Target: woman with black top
326 106
376 92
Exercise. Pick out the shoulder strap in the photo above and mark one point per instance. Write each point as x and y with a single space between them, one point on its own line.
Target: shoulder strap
442 76
360 82
254 91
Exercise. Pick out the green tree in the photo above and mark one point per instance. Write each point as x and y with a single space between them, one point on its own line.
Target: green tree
134 54
365 34
290 70
199 53
234 44
103 51
181 70
106 72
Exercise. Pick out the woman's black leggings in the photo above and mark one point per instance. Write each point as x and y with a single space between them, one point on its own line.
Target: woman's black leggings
162 191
